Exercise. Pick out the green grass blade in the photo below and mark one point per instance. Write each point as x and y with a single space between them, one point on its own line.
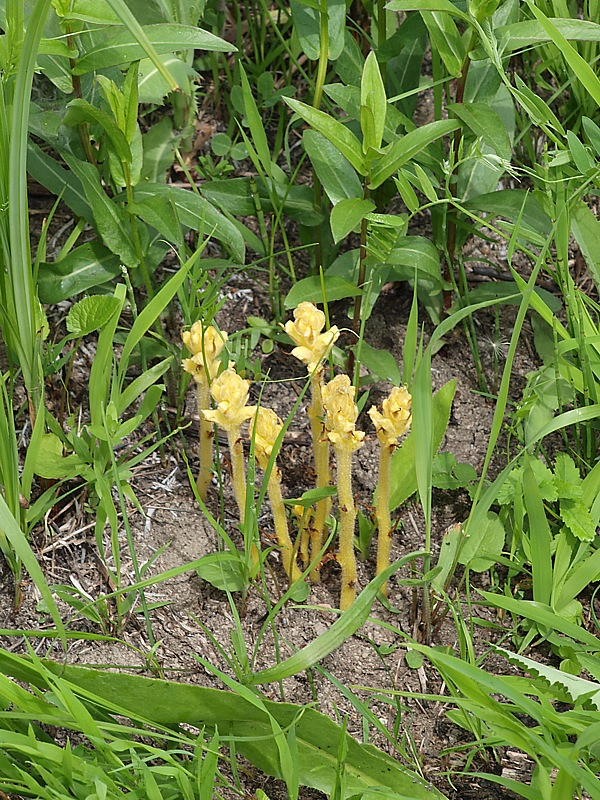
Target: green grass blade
344 627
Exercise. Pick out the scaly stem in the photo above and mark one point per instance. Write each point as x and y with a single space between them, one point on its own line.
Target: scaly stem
346 557
382 513
236 454
206 441
321 450
281 527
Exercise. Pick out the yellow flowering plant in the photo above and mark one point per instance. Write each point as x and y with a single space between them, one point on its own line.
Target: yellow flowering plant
341 414
206 345
266 427
313 345
390 424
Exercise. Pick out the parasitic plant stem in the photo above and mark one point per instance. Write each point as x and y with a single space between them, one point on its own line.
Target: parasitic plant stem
393 422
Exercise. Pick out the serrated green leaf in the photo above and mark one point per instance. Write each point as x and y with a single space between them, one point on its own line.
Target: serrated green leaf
90 314
481 548
578 519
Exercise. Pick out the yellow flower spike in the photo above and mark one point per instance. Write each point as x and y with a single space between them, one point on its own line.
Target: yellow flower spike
267 427
205 345
313 346
230 393
305 331
390 425
341 414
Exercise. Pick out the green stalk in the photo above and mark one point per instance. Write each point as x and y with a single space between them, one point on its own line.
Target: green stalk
23 304
317 97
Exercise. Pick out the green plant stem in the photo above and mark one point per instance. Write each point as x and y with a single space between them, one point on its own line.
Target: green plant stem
449 267
382 512
346 558
206 435
317 97
381 33
362 273
321 451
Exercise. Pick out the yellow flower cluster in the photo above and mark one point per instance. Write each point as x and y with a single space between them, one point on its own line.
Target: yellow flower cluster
306 332
230 393
341 414
396 417
205 345
267 427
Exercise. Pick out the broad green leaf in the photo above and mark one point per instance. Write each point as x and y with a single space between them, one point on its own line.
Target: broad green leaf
257 129
575 686
380 363
246 717
543 615
584 72
514 204
407 147
446 39
312 496
347 214
152 84
79 111
592 131
52 464
307 26
372 97
403 480
84 268
481 548
486 124
340 136
90 314
109 219
311 290
235 196
528 33
58 180
415 255
160 215
194 212
445 6
337 177
585 228
158 142
540 538
448 558
122 47
224 571
345 626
